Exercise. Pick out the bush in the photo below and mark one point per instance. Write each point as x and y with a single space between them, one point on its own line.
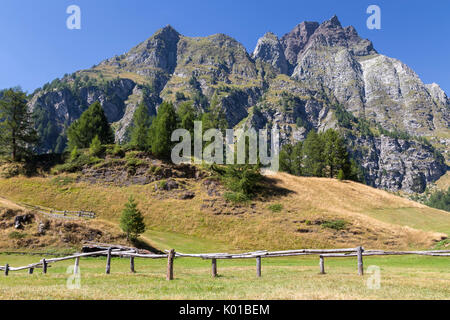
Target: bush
236 197
276 207
440 200
243 179
96 149
341 175
442 245
76 162
16 235
336 224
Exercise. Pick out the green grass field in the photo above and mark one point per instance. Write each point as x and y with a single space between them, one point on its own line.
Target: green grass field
407 277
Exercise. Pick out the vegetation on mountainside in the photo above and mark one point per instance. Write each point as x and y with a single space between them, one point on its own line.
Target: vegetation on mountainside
440 200
17 133
320 155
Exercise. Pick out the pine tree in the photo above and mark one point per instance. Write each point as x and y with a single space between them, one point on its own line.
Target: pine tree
17 133
161 130
187 115
132 221
313 162
286 156
95 149
141 126
335 154
93 122
215 118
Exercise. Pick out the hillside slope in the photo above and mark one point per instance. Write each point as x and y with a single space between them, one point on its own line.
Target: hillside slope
301 212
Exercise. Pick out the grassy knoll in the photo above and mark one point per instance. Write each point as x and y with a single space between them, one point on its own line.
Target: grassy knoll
407 277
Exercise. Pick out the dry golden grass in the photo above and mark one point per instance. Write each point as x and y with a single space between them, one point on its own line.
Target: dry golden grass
308 200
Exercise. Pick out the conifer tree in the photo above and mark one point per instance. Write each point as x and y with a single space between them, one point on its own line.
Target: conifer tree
95 149
132 221
141 126
335 154
93 122
17 133
187 115
215 118
161 130
313 162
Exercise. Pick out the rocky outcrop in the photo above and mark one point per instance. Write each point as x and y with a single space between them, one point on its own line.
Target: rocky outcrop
395 164
269 50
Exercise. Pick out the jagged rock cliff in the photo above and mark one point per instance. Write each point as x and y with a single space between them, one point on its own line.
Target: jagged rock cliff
312 78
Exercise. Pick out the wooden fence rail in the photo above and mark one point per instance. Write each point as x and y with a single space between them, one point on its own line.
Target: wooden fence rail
132 253
61 214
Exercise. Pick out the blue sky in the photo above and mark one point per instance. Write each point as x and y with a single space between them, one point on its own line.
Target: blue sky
36 47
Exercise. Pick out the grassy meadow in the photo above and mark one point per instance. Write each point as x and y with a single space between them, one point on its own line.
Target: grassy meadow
407 277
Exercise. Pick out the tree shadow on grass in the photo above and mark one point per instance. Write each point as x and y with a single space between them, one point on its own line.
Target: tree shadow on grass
269 190
141 244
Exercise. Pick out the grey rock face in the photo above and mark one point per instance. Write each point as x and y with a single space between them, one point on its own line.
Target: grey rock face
269 50
395 164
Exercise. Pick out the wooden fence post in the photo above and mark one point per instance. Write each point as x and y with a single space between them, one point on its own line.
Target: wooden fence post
108 261
359 253
30 271
44 266
6 269
258 267
170 259
76 266
322 265
214 267
132 264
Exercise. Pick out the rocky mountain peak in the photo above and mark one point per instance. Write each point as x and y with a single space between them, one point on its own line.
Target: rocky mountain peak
167 31
332 23
438 94
294 41
270 50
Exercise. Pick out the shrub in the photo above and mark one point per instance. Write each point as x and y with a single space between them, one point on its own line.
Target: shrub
96 149
336 224
236 197
440 200
442 245
62 181
341 175
276 207
244 179
16 235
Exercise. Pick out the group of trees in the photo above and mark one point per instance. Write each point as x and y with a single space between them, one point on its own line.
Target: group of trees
154 134
320 155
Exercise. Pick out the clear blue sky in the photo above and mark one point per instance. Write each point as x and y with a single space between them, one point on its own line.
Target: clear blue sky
36 47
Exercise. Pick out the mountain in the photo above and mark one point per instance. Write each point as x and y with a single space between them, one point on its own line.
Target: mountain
317 76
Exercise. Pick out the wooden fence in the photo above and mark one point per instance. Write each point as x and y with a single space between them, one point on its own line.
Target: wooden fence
61 214
171 255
